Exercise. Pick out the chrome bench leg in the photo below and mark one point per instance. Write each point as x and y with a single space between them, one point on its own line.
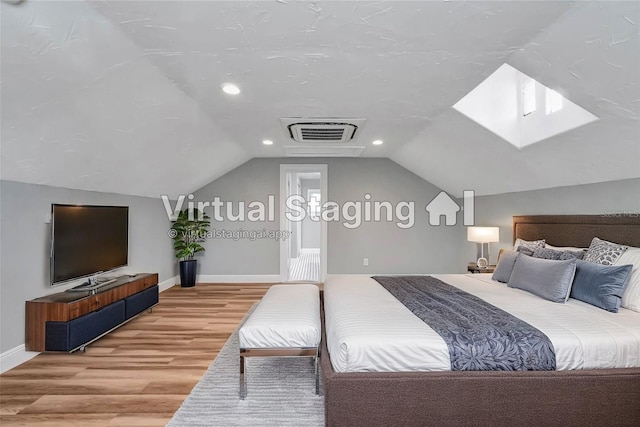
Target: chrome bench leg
317 376
243 385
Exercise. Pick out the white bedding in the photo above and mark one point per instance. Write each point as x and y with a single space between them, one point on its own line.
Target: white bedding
370 330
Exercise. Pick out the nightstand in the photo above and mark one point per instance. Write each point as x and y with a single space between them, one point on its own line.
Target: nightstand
473 268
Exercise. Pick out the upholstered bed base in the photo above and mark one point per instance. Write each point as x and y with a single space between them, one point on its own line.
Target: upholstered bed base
567 398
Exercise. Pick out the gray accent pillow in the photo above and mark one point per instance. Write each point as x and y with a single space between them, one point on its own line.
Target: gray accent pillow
525 250
600 285
603 252
549 279
531 244
548 253
503 270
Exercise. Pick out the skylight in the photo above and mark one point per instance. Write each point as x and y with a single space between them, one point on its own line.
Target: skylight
519 109
553 101
528 97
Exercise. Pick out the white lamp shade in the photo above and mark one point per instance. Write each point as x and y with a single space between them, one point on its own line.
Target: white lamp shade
483 234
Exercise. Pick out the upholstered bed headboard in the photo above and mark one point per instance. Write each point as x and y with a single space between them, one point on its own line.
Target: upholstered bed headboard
578 230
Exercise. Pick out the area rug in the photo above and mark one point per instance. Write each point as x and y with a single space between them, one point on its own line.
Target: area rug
280 392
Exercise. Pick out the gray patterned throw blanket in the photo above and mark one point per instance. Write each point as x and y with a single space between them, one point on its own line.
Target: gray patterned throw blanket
480 336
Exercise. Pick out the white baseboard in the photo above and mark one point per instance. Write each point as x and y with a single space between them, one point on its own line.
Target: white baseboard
168 284
255 278
14 357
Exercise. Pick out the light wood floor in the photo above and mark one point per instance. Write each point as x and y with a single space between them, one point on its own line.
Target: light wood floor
139 374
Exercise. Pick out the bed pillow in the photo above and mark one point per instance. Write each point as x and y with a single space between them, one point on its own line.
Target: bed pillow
603 252
525 250
565 248
548 253
600 285
631 296
549 279
531 244
503 270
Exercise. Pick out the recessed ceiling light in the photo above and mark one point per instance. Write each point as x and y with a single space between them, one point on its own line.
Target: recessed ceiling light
230 89
267 142
377 142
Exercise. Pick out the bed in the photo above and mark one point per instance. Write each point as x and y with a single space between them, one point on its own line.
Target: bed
580 393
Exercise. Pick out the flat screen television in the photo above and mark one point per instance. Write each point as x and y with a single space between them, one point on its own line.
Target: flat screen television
87 240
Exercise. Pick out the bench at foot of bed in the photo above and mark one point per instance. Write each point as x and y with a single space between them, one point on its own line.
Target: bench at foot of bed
286 323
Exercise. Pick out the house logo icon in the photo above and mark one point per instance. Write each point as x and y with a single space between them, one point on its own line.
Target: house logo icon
445 205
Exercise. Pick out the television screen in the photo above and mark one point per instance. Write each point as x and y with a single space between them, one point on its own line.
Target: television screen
87 240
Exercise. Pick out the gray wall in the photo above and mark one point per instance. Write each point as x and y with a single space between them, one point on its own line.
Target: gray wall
254 180
26 239
596 199
310 228
420 249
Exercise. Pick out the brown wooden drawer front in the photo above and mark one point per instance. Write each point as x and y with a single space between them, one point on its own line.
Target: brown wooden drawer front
95 302
83 307
56 311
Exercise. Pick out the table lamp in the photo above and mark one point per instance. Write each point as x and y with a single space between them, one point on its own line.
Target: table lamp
483 235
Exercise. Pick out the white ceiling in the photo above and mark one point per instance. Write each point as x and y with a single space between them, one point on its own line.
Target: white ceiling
124 96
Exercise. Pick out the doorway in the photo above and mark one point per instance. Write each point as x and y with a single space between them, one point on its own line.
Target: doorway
303 190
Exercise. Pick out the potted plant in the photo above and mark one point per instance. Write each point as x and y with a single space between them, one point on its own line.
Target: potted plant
188 232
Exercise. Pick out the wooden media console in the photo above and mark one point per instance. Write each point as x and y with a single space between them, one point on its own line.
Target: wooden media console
68 321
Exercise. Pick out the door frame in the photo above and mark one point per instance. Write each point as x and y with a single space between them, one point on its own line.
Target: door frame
302 168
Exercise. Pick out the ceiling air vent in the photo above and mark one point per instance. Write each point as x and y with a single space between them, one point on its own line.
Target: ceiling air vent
322 130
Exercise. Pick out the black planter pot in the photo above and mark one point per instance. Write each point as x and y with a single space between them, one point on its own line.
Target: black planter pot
188 273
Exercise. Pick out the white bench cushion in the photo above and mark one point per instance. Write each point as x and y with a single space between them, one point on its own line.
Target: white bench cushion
287 316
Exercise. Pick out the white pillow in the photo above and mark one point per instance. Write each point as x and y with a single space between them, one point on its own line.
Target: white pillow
564 248
631 296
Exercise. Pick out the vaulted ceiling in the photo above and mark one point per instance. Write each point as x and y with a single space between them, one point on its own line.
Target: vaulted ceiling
124 96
